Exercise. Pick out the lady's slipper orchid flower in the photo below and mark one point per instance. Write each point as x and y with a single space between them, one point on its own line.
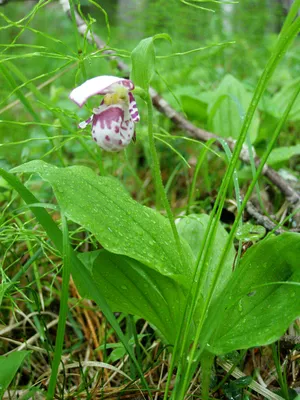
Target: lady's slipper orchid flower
113 121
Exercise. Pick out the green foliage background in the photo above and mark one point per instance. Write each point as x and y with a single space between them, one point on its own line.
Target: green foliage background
204 85
252 24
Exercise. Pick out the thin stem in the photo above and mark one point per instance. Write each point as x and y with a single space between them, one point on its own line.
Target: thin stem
63 311
280 373
228 374
27 265
197 169
158 179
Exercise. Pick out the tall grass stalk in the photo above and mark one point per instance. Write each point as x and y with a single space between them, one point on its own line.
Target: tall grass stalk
63 310
200 161
29 17
280 373
158 179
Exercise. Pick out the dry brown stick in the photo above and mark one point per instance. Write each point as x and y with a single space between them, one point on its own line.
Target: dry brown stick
261 219
161 105
264 220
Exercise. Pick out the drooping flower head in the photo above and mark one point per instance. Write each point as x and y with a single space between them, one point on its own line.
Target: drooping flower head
113 121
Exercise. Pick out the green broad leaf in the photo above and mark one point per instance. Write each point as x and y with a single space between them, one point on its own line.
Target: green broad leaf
267 127
281 154
226 111
143 61
282 98
194 108
250 233
9 366
102 206
261 299
192 228
133 288
117 354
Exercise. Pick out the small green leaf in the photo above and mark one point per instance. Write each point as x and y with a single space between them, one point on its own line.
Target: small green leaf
194 107
227 109
283 154
9 366
243 382
117 354
250 233
261 299
282 98
234 389
143 61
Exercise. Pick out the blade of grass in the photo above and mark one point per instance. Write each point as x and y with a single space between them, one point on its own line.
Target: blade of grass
200 160
13 84
29 16
27 265
237 195
63 309
29 83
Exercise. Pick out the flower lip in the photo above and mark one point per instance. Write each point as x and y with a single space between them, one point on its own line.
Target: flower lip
99 85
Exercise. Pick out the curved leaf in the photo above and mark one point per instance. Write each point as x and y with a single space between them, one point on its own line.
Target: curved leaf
143 60
281 154
9 366
282 98
226 111
192 228
133 288
262 297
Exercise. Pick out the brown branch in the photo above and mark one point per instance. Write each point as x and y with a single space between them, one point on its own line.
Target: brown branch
261 219
161 105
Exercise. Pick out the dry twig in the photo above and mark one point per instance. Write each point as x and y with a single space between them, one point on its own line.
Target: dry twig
262 219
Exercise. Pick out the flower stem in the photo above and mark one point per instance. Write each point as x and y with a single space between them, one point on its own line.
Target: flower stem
158 179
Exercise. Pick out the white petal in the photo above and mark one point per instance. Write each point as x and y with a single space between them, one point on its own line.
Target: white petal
110 131
98 85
